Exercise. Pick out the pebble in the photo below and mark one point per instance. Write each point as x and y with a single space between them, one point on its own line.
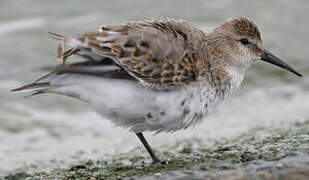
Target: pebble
157 174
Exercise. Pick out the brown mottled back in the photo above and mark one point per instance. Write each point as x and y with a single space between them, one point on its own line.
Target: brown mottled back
160 53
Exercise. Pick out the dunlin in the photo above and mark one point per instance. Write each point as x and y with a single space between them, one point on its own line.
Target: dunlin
163 75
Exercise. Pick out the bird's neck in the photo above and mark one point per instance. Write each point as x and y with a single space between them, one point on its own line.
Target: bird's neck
223 73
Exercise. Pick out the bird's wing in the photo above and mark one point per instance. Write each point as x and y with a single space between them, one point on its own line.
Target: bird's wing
156 53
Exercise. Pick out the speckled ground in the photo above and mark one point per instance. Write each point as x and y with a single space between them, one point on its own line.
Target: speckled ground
276 154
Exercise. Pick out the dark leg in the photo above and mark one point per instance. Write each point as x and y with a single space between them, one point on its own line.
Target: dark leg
146 145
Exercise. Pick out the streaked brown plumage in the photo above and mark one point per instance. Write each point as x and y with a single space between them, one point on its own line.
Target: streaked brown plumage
161 53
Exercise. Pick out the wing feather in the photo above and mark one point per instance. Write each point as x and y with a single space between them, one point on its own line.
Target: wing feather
160 53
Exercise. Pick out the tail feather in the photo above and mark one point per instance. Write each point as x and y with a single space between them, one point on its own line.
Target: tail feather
95 64
33 86
34 94
41 84
56 36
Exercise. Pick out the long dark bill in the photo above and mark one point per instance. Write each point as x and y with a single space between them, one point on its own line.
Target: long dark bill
270 58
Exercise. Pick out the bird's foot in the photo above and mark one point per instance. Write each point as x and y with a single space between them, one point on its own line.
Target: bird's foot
156 160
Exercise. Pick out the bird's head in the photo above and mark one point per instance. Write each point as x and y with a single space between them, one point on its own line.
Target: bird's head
241 43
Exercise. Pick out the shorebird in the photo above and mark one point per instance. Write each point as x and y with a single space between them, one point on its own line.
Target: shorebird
162 75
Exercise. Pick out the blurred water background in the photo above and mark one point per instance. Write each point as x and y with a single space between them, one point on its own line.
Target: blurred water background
49 131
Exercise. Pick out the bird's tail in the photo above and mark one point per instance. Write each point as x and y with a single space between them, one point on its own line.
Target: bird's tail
94 64
36 88
41 85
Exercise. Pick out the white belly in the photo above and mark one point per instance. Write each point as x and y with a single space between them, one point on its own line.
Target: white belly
138 108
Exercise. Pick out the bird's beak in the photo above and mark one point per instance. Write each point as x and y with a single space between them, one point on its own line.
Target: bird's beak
270 58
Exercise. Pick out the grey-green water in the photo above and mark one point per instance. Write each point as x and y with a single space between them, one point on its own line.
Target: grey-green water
46 132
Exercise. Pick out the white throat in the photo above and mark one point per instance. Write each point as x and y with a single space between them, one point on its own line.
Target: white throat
236 76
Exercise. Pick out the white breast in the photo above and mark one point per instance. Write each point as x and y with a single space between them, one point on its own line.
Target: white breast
137 108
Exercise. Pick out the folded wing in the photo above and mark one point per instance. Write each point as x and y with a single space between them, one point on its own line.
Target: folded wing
157 53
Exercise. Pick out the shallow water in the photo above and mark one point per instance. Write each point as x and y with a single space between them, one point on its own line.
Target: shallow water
48 131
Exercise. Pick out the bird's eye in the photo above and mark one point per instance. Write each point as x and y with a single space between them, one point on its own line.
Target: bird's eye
244 41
